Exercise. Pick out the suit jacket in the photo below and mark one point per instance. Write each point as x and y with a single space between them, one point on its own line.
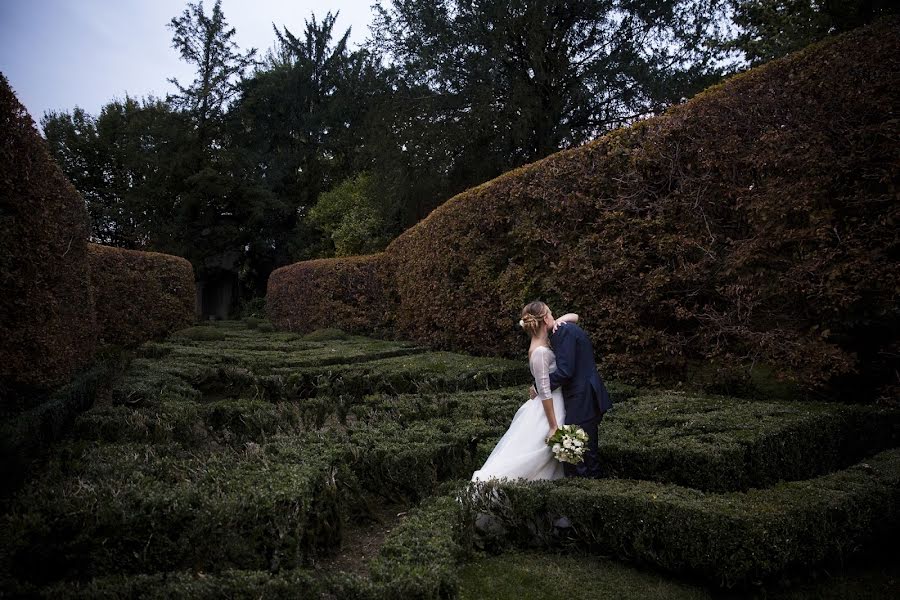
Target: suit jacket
583 391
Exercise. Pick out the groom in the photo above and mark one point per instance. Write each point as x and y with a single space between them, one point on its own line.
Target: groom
584 394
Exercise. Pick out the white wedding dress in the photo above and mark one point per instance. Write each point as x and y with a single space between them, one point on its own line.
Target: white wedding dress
522 451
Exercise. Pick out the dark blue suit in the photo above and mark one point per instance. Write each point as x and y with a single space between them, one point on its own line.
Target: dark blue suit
584 394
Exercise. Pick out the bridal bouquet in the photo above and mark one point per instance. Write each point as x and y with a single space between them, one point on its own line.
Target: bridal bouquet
569 444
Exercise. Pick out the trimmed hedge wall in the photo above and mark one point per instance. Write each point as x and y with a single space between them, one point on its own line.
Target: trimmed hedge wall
140 296
347 292
754 224
729 539
47 328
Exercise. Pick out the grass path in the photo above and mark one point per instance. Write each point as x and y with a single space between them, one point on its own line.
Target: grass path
541 575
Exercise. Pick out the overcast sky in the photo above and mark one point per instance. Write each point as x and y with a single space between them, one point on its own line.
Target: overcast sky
58 54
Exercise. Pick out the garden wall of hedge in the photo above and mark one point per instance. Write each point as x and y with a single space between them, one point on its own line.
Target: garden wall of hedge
140 296
46 308
332 292
754 224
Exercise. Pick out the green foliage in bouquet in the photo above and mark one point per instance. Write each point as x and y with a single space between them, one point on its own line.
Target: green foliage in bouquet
568 443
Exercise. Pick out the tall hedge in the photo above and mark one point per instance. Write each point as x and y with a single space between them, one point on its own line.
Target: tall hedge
333 292
754 224
46 310
140 295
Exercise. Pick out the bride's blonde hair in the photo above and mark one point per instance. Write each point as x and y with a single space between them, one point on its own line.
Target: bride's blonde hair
533 317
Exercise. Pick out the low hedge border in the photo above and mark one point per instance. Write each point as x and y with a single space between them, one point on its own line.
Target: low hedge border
420 557
29 435
419 560
160 373
732 539
721 444
130 508
713 444
494 406
421 373
408 462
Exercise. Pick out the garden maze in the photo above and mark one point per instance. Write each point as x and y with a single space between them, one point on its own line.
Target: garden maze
231 460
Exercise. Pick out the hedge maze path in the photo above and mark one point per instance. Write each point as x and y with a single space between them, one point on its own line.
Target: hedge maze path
233 460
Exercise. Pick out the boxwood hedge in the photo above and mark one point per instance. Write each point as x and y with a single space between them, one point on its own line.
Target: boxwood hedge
720 444
728 539
132 508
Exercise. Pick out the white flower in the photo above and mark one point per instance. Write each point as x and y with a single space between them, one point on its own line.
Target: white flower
556 448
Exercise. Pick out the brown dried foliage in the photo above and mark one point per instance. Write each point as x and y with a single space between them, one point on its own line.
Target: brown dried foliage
754 224
47 328
140 296
333 292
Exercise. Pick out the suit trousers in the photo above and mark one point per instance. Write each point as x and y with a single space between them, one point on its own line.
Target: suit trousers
590 466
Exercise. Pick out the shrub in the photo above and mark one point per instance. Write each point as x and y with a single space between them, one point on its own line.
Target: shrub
493 406
752 224
30 434
140 296
140 508
326 334
201 333
254 308
408 462
430 372
351 216
729 539
721 444
310 295
48 330
419 558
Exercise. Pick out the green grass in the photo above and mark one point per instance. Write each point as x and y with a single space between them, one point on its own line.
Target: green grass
294 584
529 575
537 576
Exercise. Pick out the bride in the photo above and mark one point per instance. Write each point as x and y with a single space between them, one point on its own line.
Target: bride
522 452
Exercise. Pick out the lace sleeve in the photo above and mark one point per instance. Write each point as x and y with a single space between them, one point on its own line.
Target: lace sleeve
540 369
